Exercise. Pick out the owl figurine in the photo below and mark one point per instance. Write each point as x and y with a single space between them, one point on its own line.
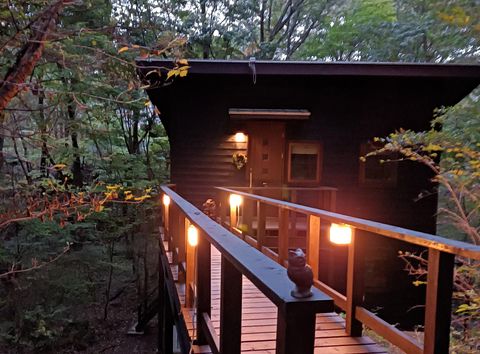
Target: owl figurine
300 273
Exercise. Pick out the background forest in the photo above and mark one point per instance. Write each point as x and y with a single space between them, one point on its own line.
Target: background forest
82 150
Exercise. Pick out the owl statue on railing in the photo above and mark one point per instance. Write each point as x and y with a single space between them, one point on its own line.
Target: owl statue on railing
300 273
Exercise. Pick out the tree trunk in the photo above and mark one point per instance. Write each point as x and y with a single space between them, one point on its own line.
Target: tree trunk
30 54
2 138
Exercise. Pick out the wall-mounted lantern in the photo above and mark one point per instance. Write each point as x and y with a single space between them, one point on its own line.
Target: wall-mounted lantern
192 236
240 137
340 234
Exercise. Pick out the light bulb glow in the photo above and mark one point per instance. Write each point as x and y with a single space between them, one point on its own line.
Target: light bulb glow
240 137
166 200
235 200
192 236
340 234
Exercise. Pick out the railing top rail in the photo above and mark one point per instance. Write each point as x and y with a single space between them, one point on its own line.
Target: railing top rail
267 275
321 188
415 237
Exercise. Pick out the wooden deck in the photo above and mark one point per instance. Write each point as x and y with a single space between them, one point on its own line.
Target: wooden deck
259 318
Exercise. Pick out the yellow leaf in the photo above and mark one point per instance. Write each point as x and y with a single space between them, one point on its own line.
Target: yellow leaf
59 166
183 62
123 49
135 46
183 73
147 103
171 73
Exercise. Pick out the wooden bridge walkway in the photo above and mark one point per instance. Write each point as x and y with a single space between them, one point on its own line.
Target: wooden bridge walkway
259 319
239 288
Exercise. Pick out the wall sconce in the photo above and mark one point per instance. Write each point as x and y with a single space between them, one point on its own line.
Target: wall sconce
192 236
240 137
166 200
340 234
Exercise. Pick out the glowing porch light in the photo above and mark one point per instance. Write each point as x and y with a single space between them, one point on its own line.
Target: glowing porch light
240 137
166 200
340 234
192 236
235 200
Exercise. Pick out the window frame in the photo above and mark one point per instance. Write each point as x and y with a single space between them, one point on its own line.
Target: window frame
319 146
390 182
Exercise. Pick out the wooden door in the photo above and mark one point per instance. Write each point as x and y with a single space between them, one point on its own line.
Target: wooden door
266 153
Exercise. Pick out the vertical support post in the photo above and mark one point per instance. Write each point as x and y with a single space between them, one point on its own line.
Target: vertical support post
247 214
261 224
230 309
222 198
168 325
203 286
313 244
233 216
438 309
173 231
333 200
180 244
190 270
295 330
355 282
283 231
166 228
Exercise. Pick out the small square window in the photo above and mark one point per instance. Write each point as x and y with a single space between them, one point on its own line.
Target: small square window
304 162
378 170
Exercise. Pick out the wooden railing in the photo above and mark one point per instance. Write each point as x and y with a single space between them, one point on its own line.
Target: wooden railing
237 259
441 256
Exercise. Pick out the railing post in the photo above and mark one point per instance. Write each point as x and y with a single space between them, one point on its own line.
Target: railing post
313 244
261 224
230 309
247 215
180 244
438 310
166 228
223 206
190 269
283 231
295 330
203 286
165 320
355 282
173 231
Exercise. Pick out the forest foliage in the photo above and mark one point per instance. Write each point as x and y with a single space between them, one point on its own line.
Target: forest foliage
82 149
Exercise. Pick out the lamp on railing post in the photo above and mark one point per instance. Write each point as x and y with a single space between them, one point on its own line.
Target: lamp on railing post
340 234
166 231
191 255
235 202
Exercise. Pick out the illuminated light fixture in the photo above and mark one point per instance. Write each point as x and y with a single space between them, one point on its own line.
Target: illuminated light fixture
240 137
192 236
340 234
235 200
166 200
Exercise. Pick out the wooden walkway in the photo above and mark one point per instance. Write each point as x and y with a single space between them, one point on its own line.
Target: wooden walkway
259 318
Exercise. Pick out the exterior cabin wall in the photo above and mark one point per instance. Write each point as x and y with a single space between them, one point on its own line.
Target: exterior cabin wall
345 112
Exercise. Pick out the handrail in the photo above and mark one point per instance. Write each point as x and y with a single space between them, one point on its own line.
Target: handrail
441 258
458 248
288 188
239 258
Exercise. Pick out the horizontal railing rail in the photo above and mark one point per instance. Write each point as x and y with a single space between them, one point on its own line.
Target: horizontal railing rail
237 259
441 257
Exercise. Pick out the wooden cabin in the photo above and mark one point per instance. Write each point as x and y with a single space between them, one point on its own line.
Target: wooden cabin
306 125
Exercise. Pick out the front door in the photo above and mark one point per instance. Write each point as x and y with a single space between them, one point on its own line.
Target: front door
266 153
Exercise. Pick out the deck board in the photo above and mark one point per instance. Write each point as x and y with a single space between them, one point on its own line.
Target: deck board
259 318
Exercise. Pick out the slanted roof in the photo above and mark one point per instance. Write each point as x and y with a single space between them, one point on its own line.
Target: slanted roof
317 68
